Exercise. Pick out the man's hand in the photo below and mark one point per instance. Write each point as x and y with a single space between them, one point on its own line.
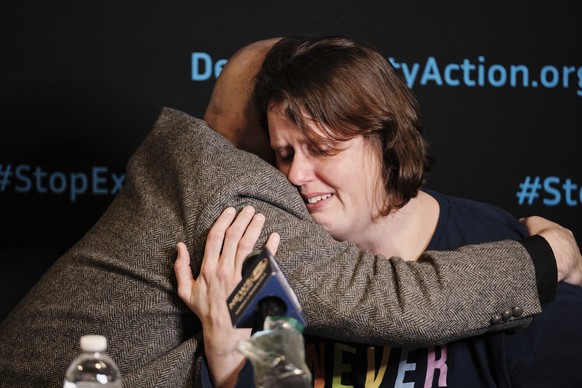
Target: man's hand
563 243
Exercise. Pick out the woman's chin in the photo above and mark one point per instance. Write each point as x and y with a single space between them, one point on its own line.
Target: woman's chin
334 232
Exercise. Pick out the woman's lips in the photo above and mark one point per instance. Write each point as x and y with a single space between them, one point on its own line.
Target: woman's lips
314 201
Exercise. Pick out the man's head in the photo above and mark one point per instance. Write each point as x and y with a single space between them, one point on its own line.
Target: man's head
231 111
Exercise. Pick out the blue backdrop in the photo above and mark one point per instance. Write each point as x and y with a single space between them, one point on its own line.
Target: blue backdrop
500 85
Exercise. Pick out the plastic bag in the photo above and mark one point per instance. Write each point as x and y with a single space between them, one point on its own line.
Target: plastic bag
277 354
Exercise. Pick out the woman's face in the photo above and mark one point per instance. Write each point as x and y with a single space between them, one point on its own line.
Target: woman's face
341 191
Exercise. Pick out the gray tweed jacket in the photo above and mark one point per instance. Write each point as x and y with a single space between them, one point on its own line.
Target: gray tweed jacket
118 279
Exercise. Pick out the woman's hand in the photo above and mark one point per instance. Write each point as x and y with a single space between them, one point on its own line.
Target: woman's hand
230 240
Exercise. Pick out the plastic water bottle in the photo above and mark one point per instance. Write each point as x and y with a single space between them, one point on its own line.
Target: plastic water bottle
93 368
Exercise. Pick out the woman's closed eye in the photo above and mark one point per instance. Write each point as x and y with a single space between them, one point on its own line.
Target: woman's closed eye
284 154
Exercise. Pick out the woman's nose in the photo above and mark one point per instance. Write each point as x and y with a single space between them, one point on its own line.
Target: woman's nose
300 170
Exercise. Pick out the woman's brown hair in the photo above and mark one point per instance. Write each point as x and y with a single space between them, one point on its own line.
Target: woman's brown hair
351 89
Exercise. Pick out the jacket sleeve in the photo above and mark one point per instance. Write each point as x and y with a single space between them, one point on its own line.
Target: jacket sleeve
350 294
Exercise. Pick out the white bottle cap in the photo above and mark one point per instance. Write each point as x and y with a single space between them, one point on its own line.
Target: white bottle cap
93 343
